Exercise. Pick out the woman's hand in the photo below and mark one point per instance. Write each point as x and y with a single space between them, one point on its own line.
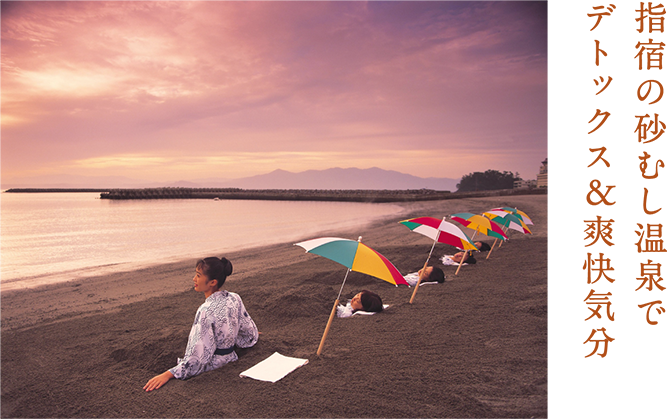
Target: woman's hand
158 381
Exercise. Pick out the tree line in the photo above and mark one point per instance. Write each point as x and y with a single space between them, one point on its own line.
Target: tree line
487 181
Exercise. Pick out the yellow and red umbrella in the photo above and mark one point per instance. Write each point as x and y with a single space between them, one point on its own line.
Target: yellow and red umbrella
481 225
357 257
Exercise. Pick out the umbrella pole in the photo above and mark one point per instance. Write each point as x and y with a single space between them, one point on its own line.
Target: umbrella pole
326 330
331 316
421 275
501 242
494 245
464 255
460 263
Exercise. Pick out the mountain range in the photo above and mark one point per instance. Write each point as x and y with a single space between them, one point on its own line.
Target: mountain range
334 178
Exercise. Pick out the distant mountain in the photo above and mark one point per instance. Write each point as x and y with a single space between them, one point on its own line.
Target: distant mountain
337 178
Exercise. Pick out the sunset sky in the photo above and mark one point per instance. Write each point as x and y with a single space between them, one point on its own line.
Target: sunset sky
167 91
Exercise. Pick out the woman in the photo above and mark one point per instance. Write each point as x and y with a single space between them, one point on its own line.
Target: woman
221 323
431 274
363 301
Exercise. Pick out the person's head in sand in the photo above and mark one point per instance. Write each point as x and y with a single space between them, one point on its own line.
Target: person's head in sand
467 257
366 301
482 246
211 274
432 274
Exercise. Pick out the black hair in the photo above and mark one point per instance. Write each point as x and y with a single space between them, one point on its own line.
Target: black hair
470 260
215 268
484 247
437 275
370 301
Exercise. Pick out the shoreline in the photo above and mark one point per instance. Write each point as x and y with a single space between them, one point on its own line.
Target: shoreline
97 293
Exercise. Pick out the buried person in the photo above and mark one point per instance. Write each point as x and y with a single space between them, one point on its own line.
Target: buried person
482 246
364 301
221 323
456 258
431 274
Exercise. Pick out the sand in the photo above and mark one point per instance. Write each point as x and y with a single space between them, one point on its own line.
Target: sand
475 346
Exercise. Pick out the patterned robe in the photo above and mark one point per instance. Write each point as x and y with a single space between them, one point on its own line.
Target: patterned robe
413 277
221 322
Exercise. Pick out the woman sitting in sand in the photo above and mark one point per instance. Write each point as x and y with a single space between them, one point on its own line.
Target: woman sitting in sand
221 323
455 259
364 301
431 274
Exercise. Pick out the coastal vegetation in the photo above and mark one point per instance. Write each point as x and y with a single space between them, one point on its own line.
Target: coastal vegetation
487 181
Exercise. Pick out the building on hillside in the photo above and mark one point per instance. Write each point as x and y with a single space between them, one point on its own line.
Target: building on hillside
554 174
523 184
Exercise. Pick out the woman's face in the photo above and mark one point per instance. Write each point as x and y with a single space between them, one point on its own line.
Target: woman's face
427 272
356 302
202 283
457 257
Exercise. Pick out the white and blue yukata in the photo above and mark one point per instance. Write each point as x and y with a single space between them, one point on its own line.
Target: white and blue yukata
221 323
413 277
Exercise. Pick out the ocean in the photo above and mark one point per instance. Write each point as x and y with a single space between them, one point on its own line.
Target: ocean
56 237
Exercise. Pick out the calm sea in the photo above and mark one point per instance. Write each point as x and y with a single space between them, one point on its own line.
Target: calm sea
55 237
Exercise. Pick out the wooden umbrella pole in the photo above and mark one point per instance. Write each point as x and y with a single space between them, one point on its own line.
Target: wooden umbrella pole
501 242
419 281
326 330
421 274
494 245
461 263
333 312
464 255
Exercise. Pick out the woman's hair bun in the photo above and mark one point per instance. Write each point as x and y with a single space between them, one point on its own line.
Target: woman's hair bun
227 266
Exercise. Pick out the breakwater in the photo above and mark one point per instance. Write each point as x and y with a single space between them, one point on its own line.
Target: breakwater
55 190
375 196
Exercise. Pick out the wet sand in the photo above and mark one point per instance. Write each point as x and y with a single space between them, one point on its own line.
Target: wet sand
475 346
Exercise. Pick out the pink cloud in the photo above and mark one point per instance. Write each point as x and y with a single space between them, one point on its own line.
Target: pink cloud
85 80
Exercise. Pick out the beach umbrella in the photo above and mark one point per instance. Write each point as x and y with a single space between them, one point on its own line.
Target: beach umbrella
507 221
481 225
518 213
440 231
357 257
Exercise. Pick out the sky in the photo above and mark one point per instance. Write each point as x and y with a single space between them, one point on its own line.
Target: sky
168 91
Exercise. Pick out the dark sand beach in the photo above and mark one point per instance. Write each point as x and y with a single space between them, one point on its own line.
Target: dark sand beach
475 346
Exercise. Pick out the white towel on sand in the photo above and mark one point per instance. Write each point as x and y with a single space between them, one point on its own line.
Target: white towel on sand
274 368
